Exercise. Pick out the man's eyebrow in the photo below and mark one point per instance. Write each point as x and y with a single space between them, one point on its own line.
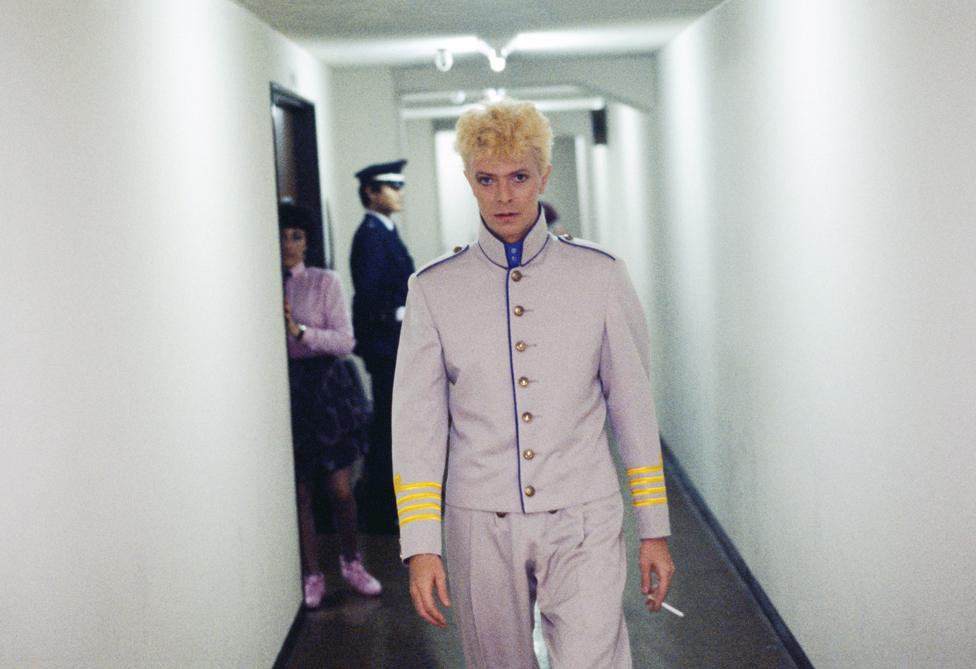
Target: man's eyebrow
482 173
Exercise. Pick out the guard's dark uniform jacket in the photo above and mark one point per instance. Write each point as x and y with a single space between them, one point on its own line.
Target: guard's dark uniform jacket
380 266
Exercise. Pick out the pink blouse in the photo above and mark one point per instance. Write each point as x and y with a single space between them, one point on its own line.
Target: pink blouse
319 303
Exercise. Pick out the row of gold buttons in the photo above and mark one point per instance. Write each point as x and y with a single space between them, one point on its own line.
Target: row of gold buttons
523 381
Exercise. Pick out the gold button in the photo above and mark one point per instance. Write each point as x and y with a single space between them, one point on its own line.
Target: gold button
520 346
526 417
523 381
529 491
519 310
516 276
458 249
528 454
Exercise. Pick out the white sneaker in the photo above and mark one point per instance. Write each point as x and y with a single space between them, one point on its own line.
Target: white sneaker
356 576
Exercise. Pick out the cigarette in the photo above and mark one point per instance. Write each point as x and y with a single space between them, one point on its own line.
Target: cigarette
670 609
667 607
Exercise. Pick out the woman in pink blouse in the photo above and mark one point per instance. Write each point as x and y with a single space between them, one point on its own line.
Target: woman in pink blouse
329 412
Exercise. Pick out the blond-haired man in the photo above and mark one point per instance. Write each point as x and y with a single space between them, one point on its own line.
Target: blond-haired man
514 352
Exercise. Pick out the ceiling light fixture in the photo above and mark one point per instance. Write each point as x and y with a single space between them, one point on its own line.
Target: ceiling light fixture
497 57
443 60
496 62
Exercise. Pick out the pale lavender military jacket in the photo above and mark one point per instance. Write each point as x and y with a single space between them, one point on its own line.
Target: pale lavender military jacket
505 378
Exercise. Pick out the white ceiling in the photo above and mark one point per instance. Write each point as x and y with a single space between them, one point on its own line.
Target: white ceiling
409 32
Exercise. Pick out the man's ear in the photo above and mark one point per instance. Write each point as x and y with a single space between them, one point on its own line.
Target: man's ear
545 179
371 190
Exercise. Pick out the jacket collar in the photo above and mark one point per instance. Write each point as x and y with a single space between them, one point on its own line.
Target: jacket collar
385 220
532 244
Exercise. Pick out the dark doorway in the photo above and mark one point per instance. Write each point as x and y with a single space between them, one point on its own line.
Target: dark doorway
297 177
297 166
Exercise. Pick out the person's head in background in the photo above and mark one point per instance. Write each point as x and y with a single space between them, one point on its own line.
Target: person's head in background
506 147
293 226
552 219
381 187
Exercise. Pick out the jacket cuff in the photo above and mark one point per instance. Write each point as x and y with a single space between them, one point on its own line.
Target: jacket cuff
653 522
421 536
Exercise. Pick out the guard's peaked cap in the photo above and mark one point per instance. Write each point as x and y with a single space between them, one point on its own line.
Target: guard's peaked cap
391 173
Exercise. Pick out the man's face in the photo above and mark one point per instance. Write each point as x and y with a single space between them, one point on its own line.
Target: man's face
386 199
508 194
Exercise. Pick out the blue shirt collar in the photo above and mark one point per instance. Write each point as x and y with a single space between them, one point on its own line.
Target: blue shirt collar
513 253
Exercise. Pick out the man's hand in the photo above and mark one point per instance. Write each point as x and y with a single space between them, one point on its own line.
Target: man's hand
426 574
655 558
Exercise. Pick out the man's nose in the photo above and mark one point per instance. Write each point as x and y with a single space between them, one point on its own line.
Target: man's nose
504 192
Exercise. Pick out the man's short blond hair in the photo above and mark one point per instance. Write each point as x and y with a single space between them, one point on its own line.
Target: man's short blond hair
507 129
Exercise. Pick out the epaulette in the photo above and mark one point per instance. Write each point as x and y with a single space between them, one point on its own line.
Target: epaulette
457 251
584 244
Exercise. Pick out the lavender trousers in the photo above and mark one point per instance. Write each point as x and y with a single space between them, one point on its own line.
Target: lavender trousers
571 561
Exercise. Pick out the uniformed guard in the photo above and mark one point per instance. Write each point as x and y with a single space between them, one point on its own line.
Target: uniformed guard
515 350
380 265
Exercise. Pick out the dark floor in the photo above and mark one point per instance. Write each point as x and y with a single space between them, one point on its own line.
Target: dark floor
723 626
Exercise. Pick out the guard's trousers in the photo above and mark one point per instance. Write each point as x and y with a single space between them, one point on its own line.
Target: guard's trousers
570 560
377 508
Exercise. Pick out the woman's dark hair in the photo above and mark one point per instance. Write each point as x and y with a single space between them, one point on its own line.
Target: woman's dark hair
291 215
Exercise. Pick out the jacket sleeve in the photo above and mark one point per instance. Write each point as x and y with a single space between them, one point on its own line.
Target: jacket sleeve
334 336
626 380
420 428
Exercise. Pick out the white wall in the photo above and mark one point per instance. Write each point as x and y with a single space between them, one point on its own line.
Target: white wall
562 190
621 192
422 215
458 209
146 496
816 316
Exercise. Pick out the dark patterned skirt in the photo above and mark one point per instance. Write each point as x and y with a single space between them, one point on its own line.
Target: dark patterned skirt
329 414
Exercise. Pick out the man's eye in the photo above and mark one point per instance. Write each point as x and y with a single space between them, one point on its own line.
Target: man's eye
521 177
484 181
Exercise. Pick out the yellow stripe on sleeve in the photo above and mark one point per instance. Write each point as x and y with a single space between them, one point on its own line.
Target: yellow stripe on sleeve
399 486
423 516
646 479
644 470
651 502
647 491
417 507
430 491
419 495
